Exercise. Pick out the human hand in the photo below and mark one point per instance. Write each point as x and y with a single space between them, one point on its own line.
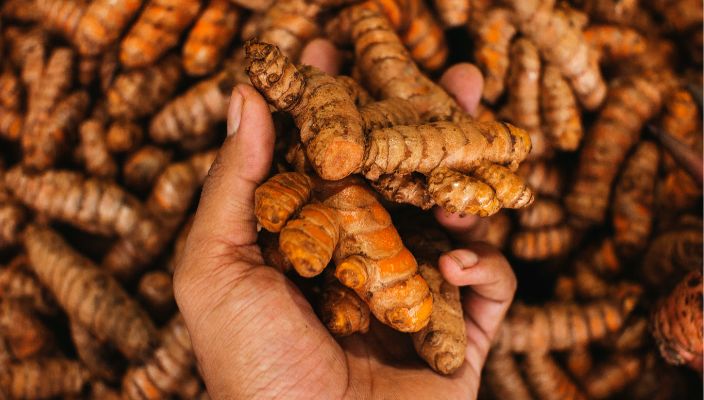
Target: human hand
256 336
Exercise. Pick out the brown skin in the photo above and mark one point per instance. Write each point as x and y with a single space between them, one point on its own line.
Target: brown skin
230 297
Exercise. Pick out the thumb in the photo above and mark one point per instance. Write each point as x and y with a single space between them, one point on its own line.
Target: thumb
226 209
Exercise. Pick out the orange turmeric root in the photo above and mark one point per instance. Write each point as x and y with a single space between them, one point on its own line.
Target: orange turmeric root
25 334
347 217
342 311
163 373
103 23
123 136
612 376
94 150
548 380
492 34
677 323
157 29
634 198
12 217
561 114
542 243
504 379
11 88
543 177
17 283
453 12
670 253
142 167
615 43
425 39
523 107
96 356
119 320
139 93
561 326
208 39
43 378
157 293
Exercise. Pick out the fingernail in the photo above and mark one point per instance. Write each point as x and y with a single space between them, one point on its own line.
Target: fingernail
464 258
234 112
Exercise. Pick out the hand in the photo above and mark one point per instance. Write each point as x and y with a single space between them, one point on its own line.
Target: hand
256 336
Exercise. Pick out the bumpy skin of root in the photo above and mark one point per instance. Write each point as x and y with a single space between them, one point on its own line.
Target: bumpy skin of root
123 136
359 95
542 177
561 114
425 39
94 151
168 201
562 45
613 375
387 113
208 39
458 193
43 378
443 342
138 93
560 326
102 24
677 323
631 102
277 199
342 311
192 114
165 371
290 24
88 295
634 198
615 43
493 33
61 16
17 283
142 167
523 105
404 189
542 213
453 12
25 334
157 29
511 191
330 126
389 71
503 377
461 147
542 243
670 253
157 293
309 239
548 380
369 254
98 358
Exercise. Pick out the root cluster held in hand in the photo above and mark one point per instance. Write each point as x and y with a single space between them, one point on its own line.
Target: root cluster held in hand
582 163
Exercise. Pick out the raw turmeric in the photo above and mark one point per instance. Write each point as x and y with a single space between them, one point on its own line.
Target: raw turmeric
677 323
542 243
103 307
425 39
561 326
103 23
615 43
503 377
12 217
548 380
138 93
352 226
142 167
208 39
634 200
523 105
560 111
99 358
156 291
25 334
94 151
157 30
43 378
123 136
163 373
453 12
11 88
543 212
611 376
11 123
671 252
18 283
341 310
62 16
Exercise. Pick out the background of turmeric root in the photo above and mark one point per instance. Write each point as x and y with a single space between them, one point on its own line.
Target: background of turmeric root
111 113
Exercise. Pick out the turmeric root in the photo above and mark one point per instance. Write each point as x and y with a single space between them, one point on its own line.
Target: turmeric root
680 15
103 23
631 102
163 373
542 243
405 189
12 217
290 24
157 30
523 106
11 88
387 113
352 226
504 379
142 167
157 293
672 252
119 320
425 39
17 283
453 12
97 357
43 378
615 43
634 199
612 376
579 362
11 123
123 136
24 333
62 16
341 310
208 39
548 380
543 212
562 45
492 34
94 150
138 93
677 323
560 112
560 326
